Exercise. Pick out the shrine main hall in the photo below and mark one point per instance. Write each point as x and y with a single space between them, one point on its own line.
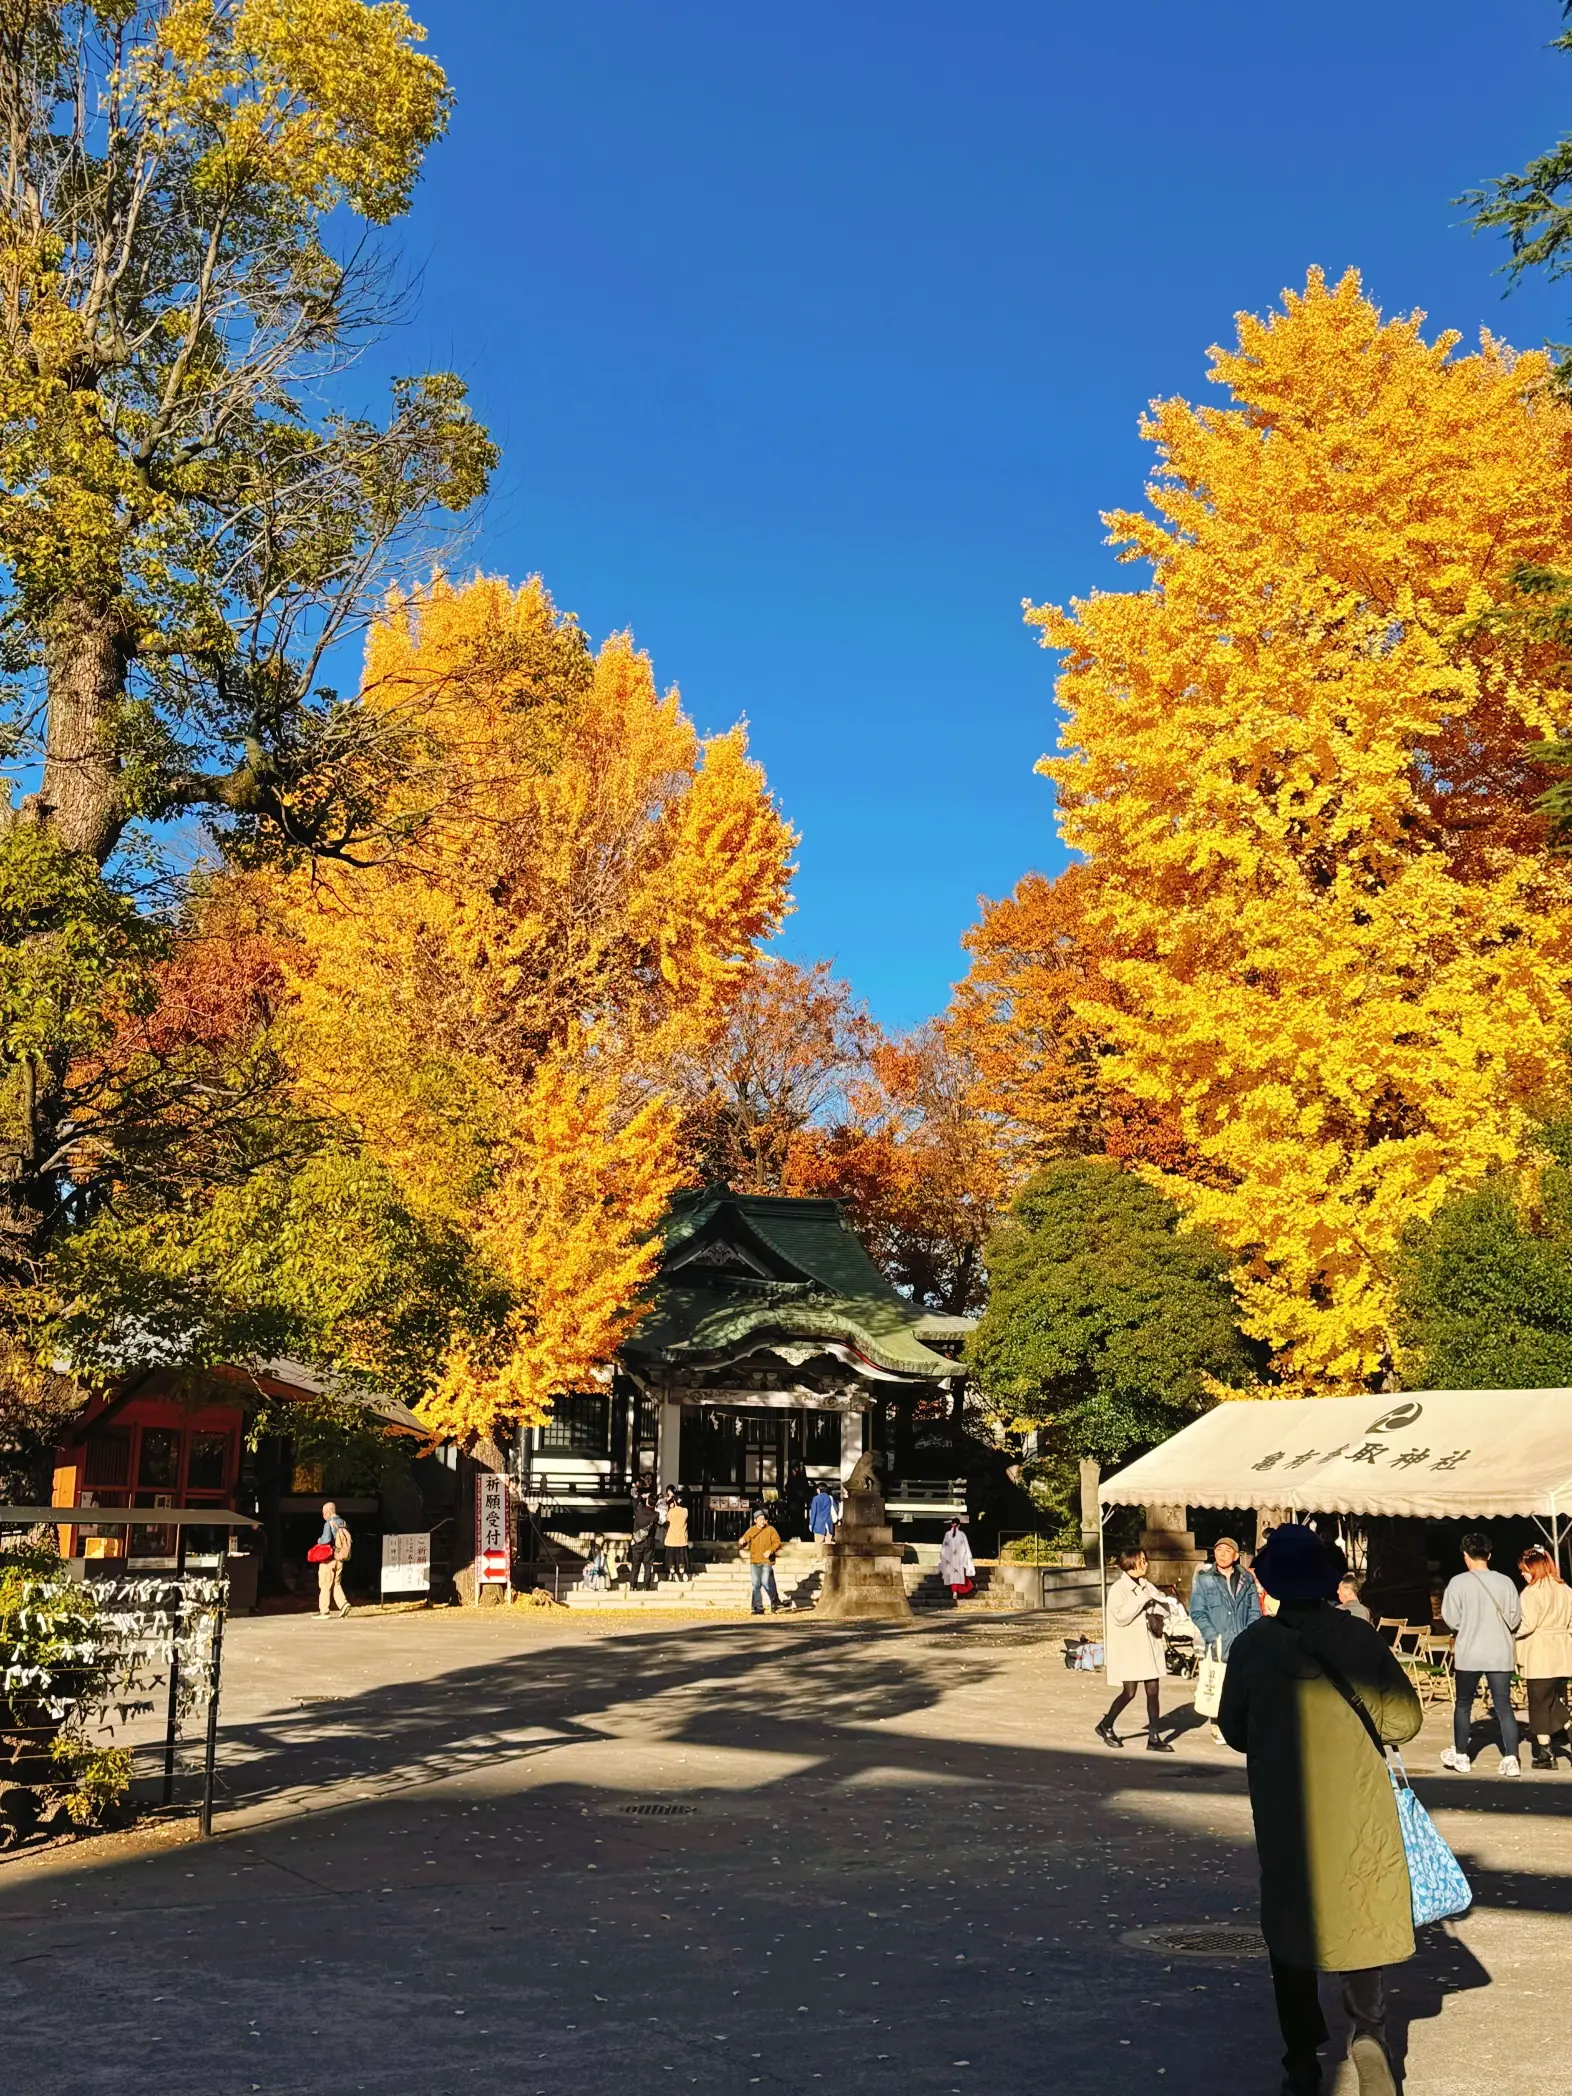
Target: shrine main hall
774 1353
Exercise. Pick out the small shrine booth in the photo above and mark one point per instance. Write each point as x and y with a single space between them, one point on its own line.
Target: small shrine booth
774 1353
162 1439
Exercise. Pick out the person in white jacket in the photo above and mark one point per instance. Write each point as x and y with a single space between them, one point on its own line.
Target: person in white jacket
957 1567
1135 1656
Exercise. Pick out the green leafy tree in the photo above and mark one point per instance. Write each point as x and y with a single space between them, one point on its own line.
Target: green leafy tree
1533 209
1486 1293
1107 1325
191 535
185 534
320 1260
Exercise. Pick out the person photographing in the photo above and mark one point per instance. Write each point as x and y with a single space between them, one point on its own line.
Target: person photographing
760 1543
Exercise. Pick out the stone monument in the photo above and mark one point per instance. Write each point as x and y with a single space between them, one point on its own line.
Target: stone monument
862 1571
1170 1549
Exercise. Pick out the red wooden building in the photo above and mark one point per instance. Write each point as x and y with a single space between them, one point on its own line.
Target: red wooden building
162 1438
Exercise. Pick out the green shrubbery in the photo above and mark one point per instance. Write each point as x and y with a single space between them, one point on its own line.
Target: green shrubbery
58 1665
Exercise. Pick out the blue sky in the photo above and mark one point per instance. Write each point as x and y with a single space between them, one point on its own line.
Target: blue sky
816 339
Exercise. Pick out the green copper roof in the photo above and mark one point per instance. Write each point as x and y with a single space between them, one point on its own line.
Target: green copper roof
752 1267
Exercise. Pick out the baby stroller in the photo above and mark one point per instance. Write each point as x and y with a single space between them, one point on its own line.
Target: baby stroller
1183 1646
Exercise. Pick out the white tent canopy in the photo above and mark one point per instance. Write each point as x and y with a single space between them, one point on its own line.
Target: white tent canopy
1430 1454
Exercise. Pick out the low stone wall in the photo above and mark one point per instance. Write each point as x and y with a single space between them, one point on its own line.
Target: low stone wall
1056 1588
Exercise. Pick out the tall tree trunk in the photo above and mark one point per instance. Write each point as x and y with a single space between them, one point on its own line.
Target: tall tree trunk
32 1107
85 665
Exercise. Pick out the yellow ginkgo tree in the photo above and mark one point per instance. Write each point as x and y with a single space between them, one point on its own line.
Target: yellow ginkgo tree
494 1009
1341 956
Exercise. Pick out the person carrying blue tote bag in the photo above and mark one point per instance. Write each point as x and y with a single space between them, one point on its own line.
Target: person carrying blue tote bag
1436 1882
1336 1893
1437 1888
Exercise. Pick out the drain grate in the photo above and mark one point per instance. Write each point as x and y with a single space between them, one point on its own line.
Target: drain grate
656 1811
1199 1939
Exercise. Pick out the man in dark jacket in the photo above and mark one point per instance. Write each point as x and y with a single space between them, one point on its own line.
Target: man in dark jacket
641 1544
1335 1895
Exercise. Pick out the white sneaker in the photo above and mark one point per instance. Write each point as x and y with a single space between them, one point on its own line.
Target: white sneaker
1452 1759
1509 1766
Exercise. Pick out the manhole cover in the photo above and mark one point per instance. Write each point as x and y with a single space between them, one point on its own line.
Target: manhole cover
656 1811
1199 1939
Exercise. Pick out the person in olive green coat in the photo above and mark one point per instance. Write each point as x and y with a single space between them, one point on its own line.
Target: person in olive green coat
1335 1894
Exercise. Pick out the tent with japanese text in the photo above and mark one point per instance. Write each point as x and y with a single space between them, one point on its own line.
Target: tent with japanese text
1429 1454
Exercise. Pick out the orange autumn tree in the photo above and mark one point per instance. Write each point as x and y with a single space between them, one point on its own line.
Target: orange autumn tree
495 1008
1020 1018
795 1041
1017 1012
802 1093
916 1165
1295 764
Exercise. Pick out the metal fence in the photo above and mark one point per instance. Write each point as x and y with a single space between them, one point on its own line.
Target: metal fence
144 1658
159 1637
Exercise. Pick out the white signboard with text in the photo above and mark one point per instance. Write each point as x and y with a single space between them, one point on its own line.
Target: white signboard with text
406 1564
491 1528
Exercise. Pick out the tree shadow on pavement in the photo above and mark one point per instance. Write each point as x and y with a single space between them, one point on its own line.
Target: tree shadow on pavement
827 1740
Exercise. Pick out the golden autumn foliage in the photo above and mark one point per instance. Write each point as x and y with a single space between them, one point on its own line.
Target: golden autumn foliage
494 1008
1335 947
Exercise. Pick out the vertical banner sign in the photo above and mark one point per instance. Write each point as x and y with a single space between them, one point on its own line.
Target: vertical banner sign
491 1528
406 1564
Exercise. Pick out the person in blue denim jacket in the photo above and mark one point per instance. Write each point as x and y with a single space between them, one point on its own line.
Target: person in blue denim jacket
1224 1600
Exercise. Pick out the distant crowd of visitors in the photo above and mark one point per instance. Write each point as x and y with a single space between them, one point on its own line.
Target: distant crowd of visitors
1314 1696
659 1544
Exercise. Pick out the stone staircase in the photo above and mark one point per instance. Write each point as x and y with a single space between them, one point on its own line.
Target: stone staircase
925 1590
723 1584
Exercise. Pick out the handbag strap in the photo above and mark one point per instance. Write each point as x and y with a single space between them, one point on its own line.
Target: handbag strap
1347 1693
1494 1603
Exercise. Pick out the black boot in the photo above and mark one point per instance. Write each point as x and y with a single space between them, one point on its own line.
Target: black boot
1107 1734
1543 1758
1156 1744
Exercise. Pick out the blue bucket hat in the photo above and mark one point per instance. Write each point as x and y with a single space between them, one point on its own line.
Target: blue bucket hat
1295 1565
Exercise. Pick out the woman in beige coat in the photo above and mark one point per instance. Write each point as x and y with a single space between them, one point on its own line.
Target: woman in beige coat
1135 1653
1544 1654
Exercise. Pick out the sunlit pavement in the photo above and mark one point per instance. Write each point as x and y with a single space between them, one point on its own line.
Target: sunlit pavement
885 1860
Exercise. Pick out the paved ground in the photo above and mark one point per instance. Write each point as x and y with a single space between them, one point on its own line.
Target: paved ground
470 1851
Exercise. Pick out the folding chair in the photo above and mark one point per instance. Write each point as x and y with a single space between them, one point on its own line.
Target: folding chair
1433 1674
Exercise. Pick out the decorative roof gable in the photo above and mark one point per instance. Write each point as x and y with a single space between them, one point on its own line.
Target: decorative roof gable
748 1267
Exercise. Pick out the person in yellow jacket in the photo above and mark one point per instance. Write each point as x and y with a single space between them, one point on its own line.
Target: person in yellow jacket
759 1545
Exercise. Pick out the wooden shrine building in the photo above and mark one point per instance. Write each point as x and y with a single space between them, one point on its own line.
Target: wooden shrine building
773 1354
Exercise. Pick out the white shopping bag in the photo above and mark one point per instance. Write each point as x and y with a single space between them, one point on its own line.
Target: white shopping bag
1209 1682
